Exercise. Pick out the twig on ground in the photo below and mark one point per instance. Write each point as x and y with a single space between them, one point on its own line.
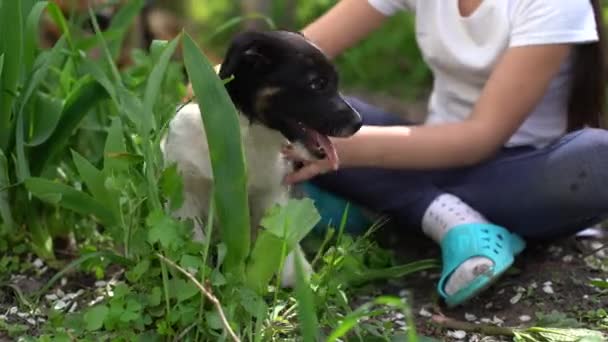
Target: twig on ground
488 330
207 294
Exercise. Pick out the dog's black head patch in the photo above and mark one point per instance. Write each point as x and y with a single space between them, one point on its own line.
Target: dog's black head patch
283 81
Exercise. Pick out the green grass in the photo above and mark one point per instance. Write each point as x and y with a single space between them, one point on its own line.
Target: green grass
80 161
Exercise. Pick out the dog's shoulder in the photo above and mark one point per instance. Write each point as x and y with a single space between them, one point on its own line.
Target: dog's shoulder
186 142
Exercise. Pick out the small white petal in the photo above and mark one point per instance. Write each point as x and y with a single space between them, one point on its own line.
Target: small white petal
516 298
51 297
38 263
457 334
60 304
470 317
425 313
525 318
548 289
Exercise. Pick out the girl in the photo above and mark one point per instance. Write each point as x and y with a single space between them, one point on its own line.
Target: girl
512 148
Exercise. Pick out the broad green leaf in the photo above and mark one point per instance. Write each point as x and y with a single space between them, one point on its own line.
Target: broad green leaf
44 119
11 44
227 157
285 225
95 316
292 221
86 95
164 230
252 302
32 32
138 271
307 315
183 289
95 181
70 198
5 204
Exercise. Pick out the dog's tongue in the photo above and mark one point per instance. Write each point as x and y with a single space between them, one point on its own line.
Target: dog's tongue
327 146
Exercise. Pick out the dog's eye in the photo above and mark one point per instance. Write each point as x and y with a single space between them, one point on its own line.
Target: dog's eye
318 83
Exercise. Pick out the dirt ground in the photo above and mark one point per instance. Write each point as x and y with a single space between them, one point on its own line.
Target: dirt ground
548 285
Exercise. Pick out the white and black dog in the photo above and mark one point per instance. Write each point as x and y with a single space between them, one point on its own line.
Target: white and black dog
286 92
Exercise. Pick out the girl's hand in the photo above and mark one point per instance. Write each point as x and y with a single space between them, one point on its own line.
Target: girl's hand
310 167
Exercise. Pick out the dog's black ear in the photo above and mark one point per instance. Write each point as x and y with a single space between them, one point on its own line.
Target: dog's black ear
249 50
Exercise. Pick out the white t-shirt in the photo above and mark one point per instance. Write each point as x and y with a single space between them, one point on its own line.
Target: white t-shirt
461 52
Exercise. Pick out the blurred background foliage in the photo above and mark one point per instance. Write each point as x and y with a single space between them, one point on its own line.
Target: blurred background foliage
388 61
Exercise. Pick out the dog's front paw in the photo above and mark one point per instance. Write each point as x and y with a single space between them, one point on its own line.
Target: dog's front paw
288 274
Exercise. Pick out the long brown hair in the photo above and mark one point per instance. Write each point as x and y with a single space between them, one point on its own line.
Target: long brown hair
588 96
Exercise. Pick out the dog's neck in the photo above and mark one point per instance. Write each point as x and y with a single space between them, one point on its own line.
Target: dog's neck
266 142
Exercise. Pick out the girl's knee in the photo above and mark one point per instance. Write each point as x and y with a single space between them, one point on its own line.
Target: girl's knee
591 140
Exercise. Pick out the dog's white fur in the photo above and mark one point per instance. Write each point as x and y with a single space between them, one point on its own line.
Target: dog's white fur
186 145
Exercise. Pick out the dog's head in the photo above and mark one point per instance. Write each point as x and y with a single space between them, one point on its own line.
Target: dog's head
284 82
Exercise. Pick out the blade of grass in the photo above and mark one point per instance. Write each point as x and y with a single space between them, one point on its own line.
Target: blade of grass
12 46
59 19
148 117
309 323
32 32
104 47
154 85
227 157
70 198
121 22
391 272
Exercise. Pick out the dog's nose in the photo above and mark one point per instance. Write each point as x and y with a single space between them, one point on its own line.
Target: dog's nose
351 127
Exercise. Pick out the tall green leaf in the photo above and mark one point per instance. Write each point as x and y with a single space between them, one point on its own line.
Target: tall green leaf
70 198
11 45
87 93
154 84
309 323
44 63
227 157
32 32
5 207
115 145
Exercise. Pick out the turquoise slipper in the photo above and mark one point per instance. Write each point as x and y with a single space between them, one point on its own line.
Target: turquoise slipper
472 240
331 208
